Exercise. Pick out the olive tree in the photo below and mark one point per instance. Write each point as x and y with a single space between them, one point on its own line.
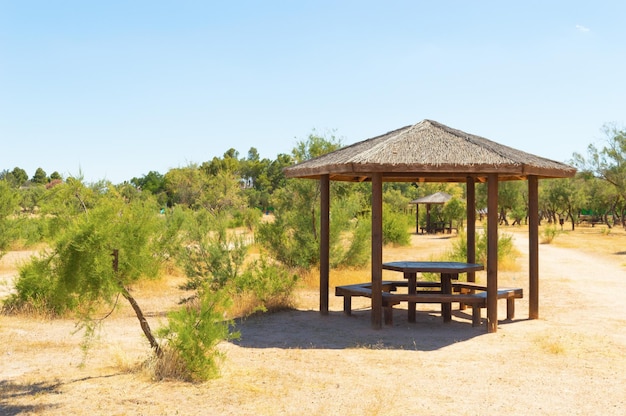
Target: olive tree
608 162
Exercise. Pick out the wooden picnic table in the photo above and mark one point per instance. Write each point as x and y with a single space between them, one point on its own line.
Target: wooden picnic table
448 271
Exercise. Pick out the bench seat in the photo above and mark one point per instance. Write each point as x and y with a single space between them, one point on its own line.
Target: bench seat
510 294
464 293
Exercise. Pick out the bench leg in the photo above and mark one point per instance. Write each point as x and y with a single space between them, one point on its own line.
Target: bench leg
446 287
388 314
412 289
463 291
475 315
510 308
347 305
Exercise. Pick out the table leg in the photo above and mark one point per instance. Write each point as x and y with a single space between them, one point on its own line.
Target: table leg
446 287
412 285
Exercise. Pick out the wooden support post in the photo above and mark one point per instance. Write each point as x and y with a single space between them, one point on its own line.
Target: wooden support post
411 279
471 225
533 239
377 250
417 218
492 252
324 242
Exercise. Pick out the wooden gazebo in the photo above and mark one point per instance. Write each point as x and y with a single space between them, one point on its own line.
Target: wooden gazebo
432 152
438 198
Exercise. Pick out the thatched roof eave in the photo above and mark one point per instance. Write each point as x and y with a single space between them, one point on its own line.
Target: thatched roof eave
428 151
399 173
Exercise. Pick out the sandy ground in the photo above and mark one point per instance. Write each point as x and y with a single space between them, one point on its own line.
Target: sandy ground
571 361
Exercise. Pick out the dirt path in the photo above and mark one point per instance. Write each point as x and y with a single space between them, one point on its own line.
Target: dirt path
568 362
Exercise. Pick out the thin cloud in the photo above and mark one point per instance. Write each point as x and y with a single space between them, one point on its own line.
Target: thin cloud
582 28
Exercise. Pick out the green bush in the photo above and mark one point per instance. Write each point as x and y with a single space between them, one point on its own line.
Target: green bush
294 236
212 255
247 217
192 335
271 284
395 228
35 290
359 251
459 247
549 234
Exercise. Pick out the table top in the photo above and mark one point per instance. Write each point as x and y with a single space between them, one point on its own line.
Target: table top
432 266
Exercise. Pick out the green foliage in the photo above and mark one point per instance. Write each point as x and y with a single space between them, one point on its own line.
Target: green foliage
359 251
315 146
221 193
183 185
454 211
247 217
395 228
549 234
78 269
15 178
152 182
31 197
271 284
8 208
294 237
40 176
194 331
35 289
506 248
212 256
395 200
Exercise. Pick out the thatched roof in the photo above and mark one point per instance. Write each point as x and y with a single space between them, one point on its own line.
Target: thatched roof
436 198
428 151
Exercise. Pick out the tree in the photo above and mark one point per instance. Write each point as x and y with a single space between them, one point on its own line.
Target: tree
9 200
315 146
40 177
221 193
608 163
184 185
562 198
152 182
228 163
94 258
293 238
15 178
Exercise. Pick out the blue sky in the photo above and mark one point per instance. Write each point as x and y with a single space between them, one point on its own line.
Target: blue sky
115 89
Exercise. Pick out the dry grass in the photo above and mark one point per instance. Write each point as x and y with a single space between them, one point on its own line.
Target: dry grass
598 239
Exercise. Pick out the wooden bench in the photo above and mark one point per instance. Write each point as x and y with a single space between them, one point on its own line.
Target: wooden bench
365 290
510 294
388 286
431 294
476 301
463 293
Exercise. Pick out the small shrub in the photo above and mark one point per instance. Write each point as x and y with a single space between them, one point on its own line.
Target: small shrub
506 249
35 291
191 337
212 255
359 251
549 234
395 229
271 285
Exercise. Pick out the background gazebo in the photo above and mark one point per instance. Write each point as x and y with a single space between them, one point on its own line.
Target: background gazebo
432 152
438 198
